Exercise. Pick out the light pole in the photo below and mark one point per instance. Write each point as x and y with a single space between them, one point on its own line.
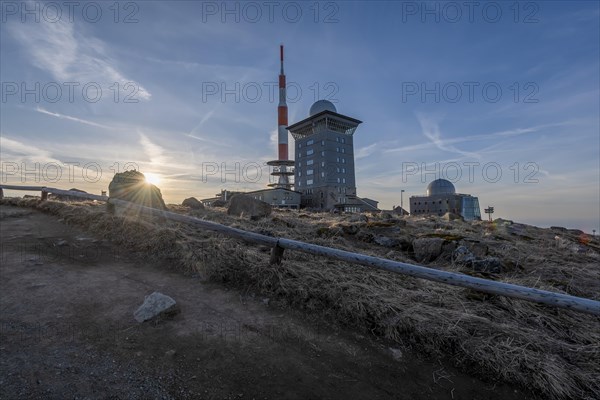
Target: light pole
402 202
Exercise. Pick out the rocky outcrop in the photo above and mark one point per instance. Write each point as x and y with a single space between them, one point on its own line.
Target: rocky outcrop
193 203
247 206
132 186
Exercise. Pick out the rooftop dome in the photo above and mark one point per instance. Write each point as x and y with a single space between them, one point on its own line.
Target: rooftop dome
321 105
440 186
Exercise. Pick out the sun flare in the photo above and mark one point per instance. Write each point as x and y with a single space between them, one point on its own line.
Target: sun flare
152 178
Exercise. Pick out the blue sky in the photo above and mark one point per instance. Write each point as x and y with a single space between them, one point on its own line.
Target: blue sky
441 87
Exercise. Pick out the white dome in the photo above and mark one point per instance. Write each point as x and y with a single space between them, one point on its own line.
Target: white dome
440 186
320 106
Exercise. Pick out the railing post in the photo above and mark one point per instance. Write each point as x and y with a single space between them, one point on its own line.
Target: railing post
110 208
276 255
44 195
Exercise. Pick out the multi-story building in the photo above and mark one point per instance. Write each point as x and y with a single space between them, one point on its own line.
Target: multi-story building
324 166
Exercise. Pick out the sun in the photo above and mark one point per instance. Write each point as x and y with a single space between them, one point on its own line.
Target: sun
152 178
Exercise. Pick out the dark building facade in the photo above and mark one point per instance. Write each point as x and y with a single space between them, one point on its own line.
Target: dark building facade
324 166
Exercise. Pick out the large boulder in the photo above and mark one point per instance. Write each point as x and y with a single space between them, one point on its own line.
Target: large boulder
428 249
193 203
132 186
155 305
247 206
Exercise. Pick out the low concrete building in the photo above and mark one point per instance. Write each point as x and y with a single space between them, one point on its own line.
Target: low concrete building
277 197
441 198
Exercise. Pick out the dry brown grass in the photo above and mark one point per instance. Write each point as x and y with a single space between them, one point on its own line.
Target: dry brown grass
555 353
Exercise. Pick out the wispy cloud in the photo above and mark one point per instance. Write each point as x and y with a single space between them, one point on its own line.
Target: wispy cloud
153 151
61 116
446 143
366 151
70 56
431 131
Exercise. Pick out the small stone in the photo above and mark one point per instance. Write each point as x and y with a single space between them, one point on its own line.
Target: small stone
396 353
170 353
155 305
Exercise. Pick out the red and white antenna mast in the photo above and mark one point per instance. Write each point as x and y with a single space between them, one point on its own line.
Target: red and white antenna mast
282 162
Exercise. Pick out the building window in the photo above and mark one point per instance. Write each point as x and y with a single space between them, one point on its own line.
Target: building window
337 170
299 173
343 140
322 174
299 145
310 142
309 181
322 143
343 170
338 180
337 149
309 172
310 162
322 154
309 152
299 163
343 150
343 161
343 180
322 163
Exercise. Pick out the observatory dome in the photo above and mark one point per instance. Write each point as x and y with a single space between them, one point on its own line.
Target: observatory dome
440 186
321 105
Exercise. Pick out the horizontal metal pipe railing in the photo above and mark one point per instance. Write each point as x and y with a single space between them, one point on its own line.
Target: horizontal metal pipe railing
560 300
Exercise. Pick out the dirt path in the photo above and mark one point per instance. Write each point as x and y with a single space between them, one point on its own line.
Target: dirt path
67 331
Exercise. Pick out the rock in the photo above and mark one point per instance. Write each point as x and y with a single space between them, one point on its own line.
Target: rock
132 186
170 353
154 305
247 206
351 229
62 243
386 216
500 221
193 203
365 236
400 223
386 241
358 218
491 265
427 249
452 217
396 353
219 203
479 250
462 255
